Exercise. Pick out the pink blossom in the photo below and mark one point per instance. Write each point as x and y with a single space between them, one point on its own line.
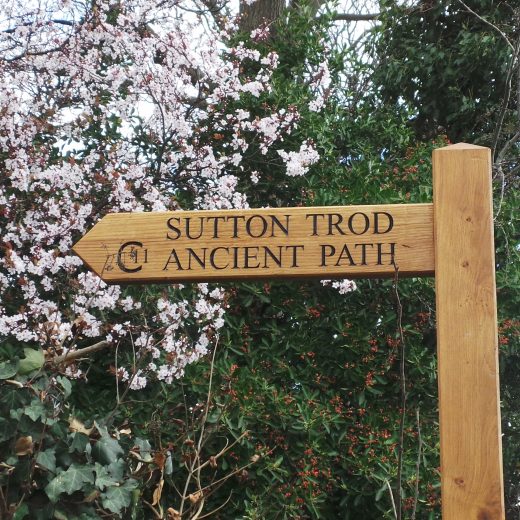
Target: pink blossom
82 136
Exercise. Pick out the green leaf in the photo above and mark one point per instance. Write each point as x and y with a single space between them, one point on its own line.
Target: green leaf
7 429
14 398
47 459
69 481
8 369
117 469
34 360
380 492
103 477
118 497
109 475
278 461
16 413
107 450
21 512
79 442
35 410
65 384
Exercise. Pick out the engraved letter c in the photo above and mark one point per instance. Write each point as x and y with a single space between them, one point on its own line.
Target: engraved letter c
133 255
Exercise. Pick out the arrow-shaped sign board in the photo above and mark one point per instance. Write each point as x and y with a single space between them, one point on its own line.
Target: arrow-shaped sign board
324 242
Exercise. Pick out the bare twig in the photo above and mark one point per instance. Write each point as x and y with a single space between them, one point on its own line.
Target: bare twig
207 515
501 155
391 496
402 366
417 465
116 354
69 23
195 466
487 22
507 96
208 401
500 170
518 80
154 511
229 475
2 497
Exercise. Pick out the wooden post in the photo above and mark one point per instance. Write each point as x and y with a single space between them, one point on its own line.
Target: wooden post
467 343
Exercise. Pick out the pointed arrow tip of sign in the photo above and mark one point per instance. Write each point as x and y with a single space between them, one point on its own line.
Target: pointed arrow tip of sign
79 250
76 249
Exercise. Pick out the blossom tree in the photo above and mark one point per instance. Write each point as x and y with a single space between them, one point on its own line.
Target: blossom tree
123 107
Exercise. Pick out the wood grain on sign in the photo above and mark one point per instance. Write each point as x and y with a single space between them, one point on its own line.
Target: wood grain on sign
349 241
471 463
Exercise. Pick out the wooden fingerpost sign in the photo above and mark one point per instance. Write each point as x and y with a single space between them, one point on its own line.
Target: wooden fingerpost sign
451 239
467 338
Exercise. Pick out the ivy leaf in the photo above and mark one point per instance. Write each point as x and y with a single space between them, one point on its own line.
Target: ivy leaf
145 448
34 360
103 477
47 460
79 442
117 469
21 512
35 410
107 450
118 497
110 475
7 428
14 397
8 369
82 513
69 481
65 384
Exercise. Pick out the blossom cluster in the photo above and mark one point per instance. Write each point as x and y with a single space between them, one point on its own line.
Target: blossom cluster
298 163
320 83
343 286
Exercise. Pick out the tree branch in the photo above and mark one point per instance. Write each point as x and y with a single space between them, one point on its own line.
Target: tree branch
69 357
351 17
505 100
69 23
507 147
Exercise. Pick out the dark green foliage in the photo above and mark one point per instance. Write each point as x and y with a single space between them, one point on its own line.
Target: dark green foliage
52 465
448 66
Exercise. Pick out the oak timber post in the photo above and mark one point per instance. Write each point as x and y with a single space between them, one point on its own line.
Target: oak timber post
467 341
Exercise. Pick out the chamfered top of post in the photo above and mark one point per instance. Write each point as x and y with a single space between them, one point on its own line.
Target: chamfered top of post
461 146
